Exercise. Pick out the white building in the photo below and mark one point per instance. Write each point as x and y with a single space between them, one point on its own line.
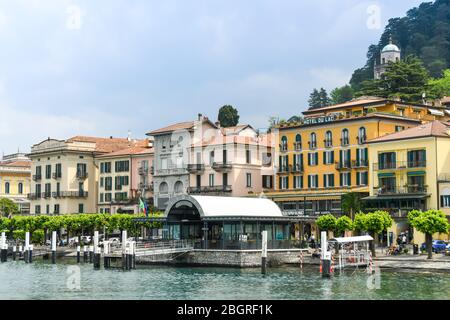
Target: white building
390 53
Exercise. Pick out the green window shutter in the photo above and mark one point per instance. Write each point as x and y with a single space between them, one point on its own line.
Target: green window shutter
280 162
317 158
324 157
309 159
317 180
357 155
332 180
349 178
287 182
332 156
358 178
279 183
340 156
301 182
309 181
287 161
366 154
324 178
340 179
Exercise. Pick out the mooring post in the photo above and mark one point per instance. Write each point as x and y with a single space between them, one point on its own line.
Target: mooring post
264 252
53 247
325 255
91 254
30 253
4 248
14 252
96 252
133 256
27 247
78 254
105 253
20 252
85 254
124 250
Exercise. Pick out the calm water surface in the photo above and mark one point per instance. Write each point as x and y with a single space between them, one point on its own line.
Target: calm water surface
41 280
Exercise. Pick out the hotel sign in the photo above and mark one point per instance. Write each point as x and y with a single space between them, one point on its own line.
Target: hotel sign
323 119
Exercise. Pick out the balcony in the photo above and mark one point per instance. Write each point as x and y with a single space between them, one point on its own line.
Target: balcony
284 169
46 195
297 146
145 186
195 167
37 177
69 194
33 196
222 166
312 145
209 189
56 175
143 171
297 168
362 139
392 190
399 165
82 175
283 147
171 171
343 165
360 163
120 199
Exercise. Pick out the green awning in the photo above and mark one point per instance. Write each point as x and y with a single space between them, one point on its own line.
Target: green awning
386 174
416 173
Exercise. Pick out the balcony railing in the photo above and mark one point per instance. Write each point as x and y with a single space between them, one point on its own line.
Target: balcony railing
56 175
362 139
69 194
209 189
81 175
222 166
328 143
120 199
360 163
283 147
410 189
343 165
195 167
296 168
46 195
399 165
145 186
33 196
284 169
37 177
312 145
344 142
297 146
143 171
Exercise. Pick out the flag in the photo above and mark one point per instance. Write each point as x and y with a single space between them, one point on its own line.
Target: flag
142 206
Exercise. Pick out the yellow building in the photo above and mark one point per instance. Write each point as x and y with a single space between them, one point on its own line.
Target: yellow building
15 173
410 170
326 154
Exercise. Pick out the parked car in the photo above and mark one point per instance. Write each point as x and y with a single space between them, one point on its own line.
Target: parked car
437 246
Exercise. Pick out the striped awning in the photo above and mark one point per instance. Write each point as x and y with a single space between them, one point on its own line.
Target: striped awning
415 173
386 174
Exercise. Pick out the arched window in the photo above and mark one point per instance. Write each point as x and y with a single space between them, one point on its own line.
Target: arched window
362 135
328 139
20 187
283 145
178 188
298 142
312 141
345 137
7 187
163 188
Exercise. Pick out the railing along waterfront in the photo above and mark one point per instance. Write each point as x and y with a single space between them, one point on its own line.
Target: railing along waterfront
209 189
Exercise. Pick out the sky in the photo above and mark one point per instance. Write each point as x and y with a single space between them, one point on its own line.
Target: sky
104 67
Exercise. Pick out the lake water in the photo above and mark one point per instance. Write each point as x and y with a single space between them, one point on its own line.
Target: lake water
42 280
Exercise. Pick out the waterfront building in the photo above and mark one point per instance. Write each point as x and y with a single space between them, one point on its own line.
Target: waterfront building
65 175
200 157
15 178
389 54
230 223
125 176
325 155
410 170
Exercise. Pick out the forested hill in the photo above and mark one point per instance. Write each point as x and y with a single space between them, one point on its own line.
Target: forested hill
424 32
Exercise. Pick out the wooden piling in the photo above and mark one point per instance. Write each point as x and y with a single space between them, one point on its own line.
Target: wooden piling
78 254
264 252
53 247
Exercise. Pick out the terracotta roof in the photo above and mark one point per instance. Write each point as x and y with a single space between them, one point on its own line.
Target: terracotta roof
177 126
136 150
445 100
430 129
108 145
19 163
354 102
